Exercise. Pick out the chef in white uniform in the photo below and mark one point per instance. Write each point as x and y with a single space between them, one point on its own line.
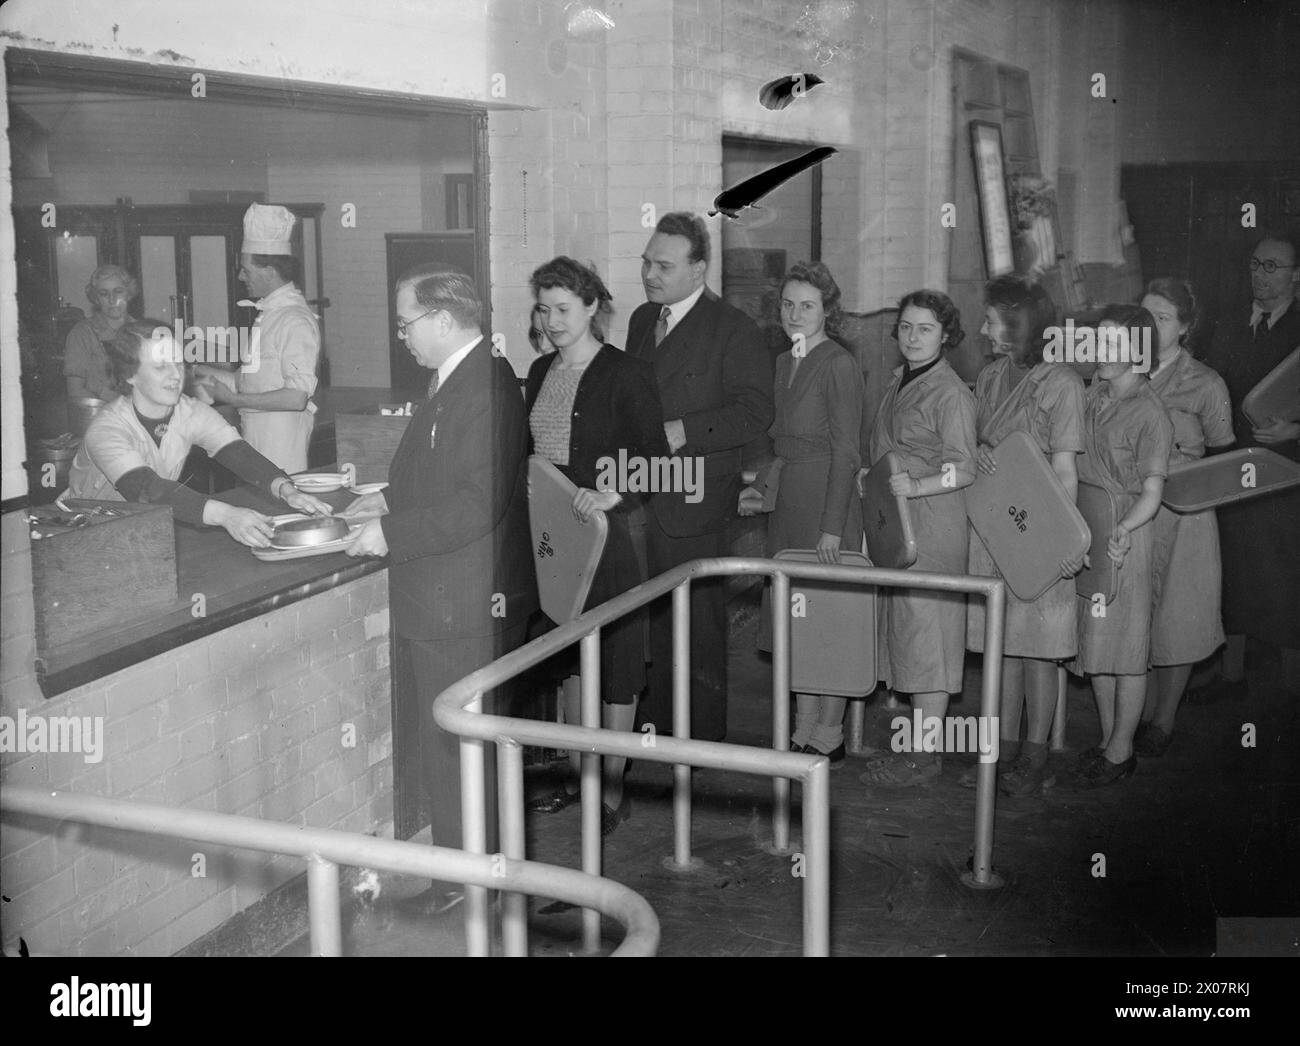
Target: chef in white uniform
274 388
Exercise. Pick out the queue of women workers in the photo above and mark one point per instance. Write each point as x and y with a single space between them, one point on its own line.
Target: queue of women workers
1122 432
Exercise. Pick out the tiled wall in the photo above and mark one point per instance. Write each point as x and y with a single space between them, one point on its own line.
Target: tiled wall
250 720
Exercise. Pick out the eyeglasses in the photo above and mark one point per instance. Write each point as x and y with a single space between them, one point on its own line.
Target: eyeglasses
1268 265
402 326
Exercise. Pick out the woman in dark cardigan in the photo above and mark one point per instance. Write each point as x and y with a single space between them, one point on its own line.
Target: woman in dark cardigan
587 402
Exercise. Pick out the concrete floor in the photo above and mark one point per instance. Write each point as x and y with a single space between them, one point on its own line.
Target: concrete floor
1210 830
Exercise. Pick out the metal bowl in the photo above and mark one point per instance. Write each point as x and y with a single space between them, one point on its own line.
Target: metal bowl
305 533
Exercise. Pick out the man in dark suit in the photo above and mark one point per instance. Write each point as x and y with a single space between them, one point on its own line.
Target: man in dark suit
1261 556
454 525
715 380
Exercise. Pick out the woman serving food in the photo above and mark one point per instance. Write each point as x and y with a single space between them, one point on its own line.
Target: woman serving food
136 446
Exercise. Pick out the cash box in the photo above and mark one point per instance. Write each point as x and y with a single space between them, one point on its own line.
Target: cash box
99 565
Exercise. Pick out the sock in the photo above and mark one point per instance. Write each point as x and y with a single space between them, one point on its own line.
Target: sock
828 738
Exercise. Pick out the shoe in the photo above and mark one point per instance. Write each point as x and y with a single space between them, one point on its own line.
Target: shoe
1103 772
970 776
1087 756
798 749
902 771
433 901
1025 778
836 756
1151 740
610 818
555 802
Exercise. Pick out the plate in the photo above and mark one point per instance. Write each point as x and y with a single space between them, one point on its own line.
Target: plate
318 483
367 488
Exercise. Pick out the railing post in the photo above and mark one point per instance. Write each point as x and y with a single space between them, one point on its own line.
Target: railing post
323 911
780 705
682 722
817 860
510 795
591 783
857 721
981 874
473 812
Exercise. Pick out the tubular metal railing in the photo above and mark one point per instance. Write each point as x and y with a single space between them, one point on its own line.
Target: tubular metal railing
325 849
458 709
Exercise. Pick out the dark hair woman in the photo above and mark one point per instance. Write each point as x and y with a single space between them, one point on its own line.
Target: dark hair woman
136 445
1127 441
1020 392
927 419
818 394
1186 626
588 402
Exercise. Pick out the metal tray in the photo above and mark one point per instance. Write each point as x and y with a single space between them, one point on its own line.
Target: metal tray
833 644
1097 505
886 518
1275 393
1220 480
1025 517
565 551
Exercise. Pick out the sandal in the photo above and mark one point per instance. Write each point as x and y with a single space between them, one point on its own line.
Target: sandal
555 801
611 818
902 771
1151 740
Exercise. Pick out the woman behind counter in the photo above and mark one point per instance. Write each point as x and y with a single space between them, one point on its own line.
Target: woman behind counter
818 394
927 419
586 401
1186 626
111 289
1021 392
136 445
1127 440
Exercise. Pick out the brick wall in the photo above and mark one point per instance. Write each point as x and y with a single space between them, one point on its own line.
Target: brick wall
247 721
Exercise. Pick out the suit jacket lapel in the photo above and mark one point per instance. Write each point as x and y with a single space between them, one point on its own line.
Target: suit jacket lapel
676 350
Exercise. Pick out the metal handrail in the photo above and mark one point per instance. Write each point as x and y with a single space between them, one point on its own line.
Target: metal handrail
325 849
458 709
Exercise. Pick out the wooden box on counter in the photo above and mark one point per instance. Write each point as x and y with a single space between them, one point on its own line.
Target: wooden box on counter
369 441
113 570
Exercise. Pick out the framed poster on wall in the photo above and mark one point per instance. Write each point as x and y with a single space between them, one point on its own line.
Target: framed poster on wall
995 205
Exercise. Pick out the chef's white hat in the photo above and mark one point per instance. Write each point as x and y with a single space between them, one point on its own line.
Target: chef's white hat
267 229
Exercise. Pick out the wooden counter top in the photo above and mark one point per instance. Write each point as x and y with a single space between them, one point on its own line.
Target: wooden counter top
234 586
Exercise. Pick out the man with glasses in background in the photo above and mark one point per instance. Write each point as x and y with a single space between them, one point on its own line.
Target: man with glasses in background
1258 538
454 525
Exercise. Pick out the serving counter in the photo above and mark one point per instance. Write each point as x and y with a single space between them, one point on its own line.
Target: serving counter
219 582
265 689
